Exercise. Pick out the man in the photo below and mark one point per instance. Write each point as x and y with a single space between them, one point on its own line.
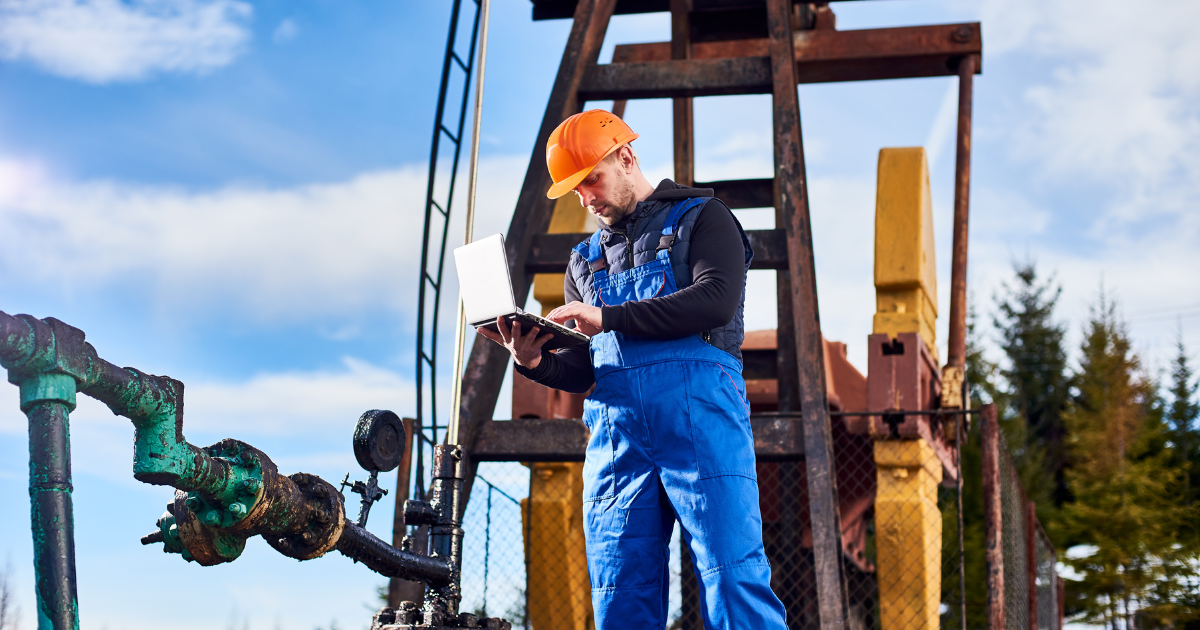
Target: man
660 288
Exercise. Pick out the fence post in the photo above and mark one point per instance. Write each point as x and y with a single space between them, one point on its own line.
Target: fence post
992 516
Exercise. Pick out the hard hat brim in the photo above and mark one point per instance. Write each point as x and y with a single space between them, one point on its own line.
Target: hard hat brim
559 189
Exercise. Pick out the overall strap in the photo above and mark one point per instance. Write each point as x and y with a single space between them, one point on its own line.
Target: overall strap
591 252
667 240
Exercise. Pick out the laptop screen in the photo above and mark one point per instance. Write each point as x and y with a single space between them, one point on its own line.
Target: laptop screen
483 279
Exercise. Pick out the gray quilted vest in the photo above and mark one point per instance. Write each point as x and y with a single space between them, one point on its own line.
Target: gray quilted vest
644 229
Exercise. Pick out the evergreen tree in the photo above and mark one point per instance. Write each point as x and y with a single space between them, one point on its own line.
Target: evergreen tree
1126 506
1182 415
1038 382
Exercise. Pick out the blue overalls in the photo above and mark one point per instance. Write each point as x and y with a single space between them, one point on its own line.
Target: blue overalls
670 439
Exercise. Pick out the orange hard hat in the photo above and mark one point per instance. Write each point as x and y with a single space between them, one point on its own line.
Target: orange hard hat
579 144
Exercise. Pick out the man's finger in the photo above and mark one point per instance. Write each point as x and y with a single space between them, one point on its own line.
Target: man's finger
529 338
516 329
562 314
505 334
541 341
494 336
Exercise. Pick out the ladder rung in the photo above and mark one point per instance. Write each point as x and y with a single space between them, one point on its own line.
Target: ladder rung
448 134
459 61
439 207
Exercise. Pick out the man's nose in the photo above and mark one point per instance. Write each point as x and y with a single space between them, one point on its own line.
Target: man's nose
585 198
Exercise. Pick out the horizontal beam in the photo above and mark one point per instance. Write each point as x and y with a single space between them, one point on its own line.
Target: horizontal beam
743 193
560 9
549 253
822 56
776 438
674 79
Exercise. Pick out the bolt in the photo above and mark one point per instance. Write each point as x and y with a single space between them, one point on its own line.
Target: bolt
192 503
320 491
308 536
213 517
249 460
322 516
237 509
251 485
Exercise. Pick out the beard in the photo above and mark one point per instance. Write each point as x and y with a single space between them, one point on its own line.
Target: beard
619 206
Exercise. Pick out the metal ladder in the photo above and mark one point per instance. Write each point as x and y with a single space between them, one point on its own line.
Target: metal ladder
437 221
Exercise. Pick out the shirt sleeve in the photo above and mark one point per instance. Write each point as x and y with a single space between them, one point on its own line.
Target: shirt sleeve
718 263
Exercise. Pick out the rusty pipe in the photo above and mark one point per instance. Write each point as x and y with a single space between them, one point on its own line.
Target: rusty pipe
957 339
363 546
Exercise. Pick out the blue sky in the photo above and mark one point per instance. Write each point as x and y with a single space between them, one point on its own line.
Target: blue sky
230 193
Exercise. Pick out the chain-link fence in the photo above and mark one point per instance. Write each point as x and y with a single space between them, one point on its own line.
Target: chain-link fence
902 532
1015 536
1023 582
1046 583
493 575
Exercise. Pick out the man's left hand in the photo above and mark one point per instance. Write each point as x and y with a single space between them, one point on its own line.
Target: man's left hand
587 318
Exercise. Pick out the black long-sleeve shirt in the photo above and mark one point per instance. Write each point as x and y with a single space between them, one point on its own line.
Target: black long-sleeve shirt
717 261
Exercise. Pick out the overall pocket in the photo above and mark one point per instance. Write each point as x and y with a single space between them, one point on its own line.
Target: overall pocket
598 482
720 421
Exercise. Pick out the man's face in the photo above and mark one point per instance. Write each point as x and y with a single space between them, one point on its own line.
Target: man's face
607 191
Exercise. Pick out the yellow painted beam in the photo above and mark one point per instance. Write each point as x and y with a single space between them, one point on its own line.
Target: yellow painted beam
559 595
905 261
908 534
569 216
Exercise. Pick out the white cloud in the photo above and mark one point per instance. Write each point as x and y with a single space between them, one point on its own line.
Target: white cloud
287 254
1111 108
1121 106
285 32
100 41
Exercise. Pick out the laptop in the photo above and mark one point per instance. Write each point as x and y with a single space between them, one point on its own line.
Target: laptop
487 293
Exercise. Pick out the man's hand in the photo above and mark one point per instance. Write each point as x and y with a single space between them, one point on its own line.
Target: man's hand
587 318
526 349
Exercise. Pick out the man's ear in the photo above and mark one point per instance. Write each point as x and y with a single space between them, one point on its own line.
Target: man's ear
628 162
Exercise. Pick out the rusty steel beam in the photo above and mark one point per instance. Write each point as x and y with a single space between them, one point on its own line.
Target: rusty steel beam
743 193
489 361
549 253
557 9
401 590
822 56
776 438
992 516
957 338
674 79
792 210
682 119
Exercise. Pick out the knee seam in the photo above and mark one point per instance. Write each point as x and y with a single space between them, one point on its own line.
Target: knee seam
735 565
611 589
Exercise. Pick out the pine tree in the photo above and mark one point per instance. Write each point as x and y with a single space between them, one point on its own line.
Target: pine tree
1182 415
1037 380
1126 507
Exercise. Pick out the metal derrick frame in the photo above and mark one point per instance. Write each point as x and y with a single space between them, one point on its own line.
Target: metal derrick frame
427 356
801 47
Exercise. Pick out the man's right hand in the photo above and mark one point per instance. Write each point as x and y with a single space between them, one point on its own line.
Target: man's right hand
526 349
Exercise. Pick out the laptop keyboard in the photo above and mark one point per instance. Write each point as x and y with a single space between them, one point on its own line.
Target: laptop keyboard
545 323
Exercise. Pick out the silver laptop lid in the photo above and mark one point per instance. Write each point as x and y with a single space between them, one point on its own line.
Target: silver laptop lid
483 279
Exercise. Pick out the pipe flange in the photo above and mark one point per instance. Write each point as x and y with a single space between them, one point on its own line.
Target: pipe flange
324 525
207 545
239 506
